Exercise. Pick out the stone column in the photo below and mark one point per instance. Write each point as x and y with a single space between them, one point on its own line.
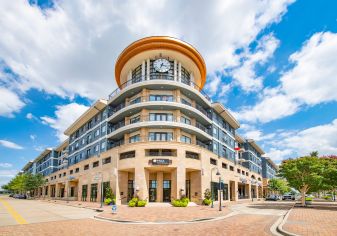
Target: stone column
160 178
181 173
57 189
140 181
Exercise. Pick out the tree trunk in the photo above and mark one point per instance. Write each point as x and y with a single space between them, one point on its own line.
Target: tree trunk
303 192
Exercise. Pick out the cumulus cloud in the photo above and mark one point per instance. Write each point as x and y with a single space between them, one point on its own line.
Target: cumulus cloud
9 144
245 75
312 80
65 115
78 42
10 103
5 165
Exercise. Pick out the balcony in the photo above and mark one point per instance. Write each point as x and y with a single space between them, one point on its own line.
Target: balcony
157 76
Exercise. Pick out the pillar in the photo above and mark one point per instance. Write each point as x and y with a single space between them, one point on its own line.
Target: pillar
148 69
143 70
160 178
140 182
175 70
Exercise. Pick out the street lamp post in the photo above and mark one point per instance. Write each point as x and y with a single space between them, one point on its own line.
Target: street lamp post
220 193
217 173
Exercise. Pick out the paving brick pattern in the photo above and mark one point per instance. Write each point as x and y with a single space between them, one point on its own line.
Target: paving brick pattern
236 225
156 214
318 220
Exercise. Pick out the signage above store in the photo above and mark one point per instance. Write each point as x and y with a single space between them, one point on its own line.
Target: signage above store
160 162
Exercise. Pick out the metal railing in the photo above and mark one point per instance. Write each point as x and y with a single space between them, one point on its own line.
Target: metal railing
158 98
155 76
158 117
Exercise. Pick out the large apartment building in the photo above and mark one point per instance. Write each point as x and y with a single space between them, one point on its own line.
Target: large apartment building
157 136
269 171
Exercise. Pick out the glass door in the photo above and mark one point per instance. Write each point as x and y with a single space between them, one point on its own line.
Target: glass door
188 189
153 190
131 190
84 192
166 190
93 193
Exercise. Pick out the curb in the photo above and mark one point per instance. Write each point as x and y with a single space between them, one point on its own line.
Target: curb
198 220
280 229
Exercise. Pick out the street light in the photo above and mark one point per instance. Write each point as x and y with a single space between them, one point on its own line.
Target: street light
220 193
217 173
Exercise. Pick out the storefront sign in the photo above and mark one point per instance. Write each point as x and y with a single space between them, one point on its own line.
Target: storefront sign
160 162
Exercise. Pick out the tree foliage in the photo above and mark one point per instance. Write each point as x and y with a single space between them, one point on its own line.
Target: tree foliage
310 173
22 183
278 185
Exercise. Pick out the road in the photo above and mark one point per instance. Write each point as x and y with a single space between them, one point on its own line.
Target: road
17 216
18 211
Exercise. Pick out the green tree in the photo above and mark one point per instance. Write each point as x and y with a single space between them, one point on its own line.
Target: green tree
32 182
314 154
278 185
304 174
329 174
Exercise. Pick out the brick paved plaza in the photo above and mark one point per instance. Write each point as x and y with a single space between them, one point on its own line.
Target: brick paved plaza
246 218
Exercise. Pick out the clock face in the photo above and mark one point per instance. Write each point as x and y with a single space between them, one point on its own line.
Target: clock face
161 65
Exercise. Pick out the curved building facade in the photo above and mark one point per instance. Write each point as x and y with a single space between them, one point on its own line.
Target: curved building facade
157 136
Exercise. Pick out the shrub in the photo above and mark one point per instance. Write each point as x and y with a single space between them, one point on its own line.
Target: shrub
207 202
141 203
327 197
107 201
185 199
207 194
132 203
180 203
308 198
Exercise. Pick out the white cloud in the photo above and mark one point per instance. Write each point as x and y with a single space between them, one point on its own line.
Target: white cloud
278 155
9 144
32 137
78 42
294 143
65 115
29 116
6 176
9 103
311 81
245 75
5 165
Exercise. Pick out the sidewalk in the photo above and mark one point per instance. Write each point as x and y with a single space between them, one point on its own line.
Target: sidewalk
318 219
150 214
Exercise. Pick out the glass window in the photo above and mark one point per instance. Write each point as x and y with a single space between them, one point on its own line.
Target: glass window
135 138
185 139
185 120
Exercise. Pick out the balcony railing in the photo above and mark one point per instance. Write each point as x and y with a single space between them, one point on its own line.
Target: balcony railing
155 76
162 118
158 98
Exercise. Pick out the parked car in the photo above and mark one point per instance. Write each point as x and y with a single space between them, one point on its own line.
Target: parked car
272 198
288 197
11 195
20 196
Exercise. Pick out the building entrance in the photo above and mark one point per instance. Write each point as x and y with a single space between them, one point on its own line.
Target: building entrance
188 189
167 191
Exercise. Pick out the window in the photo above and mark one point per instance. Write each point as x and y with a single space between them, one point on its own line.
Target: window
185 120
71 172
106 160
64 174
102 145
168 98
103 128
184 101
97 148
134 101
231 168
224 165
95 164
97 133
77 170
135 119
157 136
161 117
161 152
185 139
192 155
86 167
134 139
126 155
212 161
60 175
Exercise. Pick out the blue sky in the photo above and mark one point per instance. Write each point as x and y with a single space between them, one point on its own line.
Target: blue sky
272 63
